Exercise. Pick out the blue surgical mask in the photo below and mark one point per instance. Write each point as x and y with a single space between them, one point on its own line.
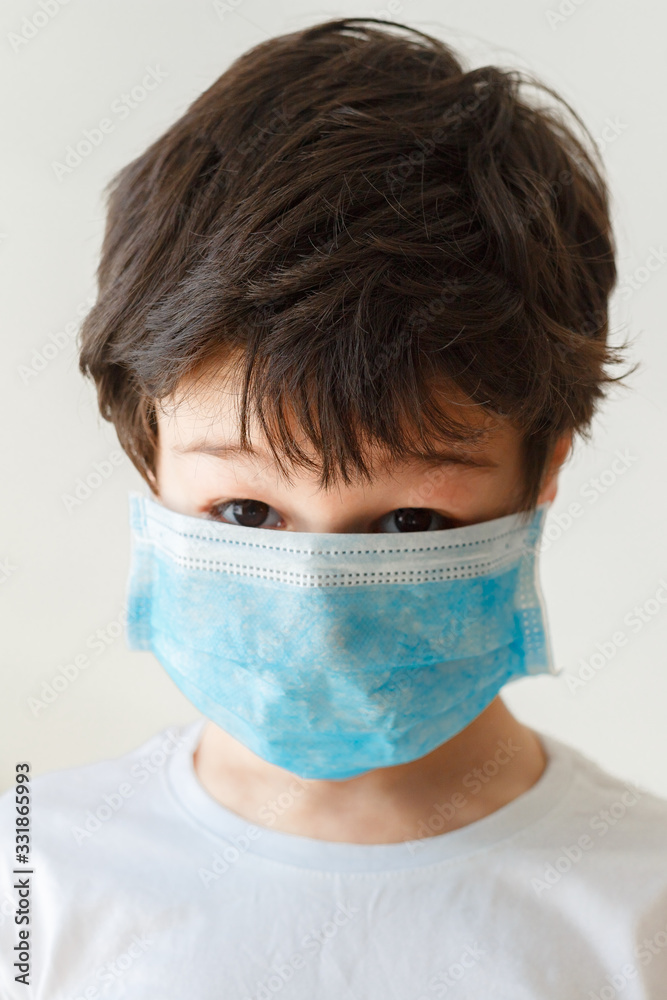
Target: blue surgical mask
331 655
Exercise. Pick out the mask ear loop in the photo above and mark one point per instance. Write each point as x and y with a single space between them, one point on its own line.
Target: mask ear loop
534 617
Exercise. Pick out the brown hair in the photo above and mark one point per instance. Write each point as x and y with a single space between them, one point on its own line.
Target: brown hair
355 220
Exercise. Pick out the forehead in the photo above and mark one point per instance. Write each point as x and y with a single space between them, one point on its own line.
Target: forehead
203 415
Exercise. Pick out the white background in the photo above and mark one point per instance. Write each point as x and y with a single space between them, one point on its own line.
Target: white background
64 570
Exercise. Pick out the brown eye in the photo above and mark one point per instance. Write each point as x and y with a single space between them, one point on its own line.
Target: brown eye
246 513
414 519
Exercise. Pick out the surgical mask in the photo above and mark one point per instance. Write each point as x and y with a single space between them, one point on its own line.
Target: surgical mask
331 655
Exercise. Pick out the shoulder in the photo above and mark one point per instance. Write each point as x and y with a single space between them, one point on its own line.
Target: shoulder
71 804
92 829
611 830
605 801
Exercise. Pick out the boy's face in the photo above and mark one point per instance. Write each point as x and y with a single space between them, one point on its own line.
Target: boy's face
249 490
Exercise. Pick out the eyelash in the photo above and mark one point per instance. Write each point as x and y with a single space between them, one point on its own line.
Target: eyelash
219 505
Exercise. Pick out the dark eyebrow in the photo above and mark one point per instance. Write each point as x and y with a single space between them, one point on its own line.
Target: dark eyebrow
434 457
220 450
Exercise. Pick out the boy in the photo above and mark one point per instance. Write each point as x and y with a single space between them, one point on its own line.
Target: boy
352 310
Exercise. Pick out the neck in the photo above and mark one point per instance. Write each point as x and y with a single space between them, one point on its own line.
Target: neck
488 764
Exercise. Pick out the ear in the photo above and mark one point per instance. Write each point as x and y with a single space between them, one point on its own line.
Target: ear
559 454
152 483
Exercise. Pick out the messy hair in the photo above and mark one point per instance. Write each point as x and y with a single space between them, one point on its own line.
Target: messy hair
352 221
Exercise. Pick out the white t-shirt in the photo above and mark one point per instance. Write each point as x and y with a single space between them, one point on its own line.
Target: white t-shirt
145 887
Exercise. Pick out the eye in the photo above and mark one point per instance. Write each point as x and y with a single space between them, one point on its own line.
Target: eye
257 514
246 513
414 519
